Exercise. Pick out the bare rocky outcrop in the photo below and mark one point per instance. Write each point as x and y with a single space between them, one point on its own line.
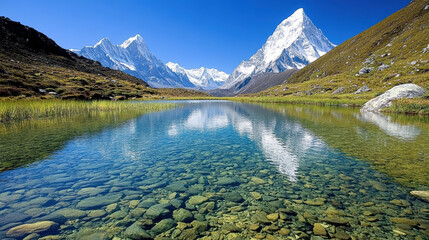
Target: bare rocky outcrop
385 100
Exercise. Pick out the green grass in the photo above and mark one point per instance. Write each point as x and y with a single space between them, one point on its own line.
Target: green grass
18 110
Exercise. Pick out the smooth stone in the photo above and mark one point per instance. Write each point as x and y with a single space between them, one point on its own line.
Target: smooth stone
91 191
230 227
200 226
135 232
176 187
335 221
147 203
183 215
405 221
254 227
118 215
13 218
163 225
25 229
256 195
257 180
422 195
71 213
233 197
91 234
319 229
197 200
133 203
186 234
284 231
54 217
157 211
316 202
97 213
341 235
111 207
52 237
137 212
225 181
260 217
273 217
97 202
177 203
400 203
32 236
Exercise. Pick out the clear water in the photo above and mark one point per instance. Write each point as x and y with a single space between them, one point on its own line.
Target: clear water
215 170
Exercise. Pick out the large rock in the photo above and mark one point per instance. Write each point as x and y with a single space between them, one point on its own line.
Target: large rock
339 90
26 229
397 92
422 195
163 225
136 232
71 213
183 215
362 89
157 211
97 202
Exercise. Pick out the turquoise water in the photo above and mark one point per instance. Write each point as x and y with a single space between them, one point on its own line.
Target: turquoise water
213 170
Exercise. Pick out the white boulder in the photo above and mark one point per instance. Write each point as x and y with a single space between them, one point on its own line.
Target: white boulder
397 92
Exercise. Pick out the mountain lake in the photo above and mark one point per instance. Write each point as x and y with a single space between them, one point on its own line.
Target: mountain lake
217 170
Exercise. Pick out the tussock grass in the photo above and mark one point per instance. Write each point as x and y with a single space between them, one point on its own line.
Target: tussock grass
18 110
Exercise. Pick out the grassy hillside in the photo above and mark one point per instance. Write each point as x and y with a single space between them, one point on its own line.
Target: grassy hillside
396 51
33 65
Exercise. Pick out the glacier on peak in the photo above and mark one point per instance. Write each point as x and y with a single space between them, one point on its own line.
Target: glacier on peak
295 43
134 57
205 78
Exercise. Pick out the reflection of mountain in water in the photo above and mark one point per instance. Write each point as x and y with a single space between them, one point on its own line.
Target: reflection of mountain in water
282 141
403 132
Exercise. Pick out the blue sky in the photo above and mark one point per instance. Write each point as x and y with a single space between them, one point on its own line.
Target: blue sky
194 33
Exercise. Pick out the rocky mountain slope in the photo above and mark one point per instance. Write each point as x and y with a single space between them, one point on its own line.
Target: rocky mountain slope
295 43
133 57
392 52
204 78
254 84
33 65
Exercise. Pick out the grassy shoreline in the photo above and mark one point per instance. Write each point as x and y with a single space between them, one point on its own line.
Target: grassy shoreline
19 110
415 106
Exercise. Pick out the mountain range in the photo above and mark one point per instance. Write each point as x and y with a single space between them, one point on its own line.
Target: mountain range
133 57
33 65
204 78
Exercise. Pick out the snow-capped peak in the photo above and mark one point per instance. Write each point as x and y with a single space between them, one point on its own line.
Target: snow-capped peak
206 78
137 38
103 42
295 43
134 57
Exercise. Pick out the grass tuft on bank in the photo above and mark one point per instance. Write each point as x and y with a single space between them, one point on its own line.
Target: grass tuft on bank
19 110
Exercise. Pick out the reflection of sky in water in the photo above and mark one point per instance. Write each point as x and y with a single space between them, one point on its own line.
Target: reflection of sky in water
284 154
403 132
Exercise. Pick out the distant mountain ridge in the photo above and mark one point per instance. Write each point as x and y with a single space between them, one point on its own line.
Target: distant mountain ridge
134 57
205 78
295 43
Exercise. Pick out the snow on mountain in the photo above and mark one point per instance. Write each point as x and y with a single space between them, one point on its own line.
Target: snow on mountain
133 57
295 43
205 78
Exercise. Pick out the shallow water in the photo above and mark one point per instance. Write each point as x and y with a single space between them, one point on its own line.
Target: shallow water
217 169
